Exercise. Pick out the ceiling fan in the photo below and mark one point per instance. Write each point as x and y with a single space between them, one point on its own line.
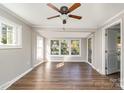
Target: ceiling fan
64 12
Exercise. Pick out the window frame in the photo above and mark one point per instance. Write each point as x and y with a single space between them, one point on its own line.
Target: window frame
68 40
17 32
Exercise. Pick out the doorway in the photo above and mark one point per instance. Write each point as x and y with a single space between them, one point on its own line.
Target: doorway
90 49
113 52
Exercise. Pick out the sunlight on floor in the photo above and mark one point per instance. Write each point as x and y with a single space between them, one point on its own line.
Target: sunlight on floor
60 65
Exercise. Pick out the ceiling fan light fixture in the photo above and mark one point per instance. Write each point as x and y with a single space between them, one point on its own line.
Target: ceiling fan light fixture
64 11
64 17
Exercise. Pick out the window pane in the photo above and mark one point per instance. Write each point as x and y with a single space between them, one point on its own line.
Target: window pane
64 47
9 35
75 47
54 47
4 34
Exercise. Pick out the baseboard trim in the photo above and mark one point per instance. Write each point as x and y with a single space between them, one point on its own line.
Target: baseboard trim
38 64
122 87
66 60
9 83
95 68
92 66
122 84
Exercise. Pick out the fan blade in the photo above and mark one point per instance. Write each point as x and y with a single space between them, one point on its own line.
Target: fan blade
53 17
73 7
75 16
53 7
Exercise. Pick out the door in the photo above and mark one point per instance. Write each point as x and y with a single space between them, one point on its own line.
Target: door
111 51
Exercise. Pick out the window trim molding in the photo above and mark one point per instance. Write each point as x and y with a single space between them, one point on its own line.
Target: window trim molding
69 40
18 33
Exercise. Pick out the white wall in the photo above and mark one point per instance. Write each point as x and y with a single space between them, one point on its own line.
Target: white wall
14 62
67 58
97 51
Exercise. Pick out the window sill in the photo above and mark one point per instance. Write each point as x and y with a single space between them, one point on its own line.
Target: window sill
10 46
65 55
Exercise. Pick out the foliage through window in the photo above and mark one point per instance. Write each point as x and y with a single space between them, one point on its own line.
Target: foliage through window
75 47
6 34
54 47
65 47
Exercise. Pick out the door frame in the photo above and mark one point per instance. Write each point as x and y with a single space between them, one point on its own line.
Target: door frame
119 21
90 36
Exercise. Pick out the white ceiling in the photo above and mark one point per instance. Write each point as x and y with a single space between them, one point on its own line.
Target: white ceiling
94 14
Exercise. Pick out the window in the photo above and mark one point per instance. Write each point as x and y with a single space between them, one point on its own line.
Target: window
54 47
10 34
75 47
65 47
6 34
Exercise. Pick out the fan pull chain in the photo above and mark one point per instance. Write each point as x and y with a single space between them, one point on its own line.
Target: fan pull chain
63 27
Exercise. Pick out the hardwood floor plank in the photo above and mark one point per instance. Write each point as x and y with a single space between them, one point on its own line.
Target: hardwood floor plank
73 75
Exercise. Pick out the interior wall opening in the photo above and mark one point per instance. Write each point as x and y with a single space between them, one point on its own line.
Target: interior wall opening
113 53
90 50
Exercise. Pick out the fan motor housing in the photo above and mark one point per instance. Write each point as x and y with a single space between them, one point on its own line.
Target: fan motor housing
64 9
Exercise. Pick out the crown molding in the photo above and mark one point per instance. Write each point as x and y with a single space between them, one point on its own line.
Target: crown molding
65 29
15 15
112 18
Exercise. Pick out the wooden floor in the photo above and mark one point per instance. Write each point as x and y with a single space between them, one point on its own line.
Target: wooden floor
71 76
